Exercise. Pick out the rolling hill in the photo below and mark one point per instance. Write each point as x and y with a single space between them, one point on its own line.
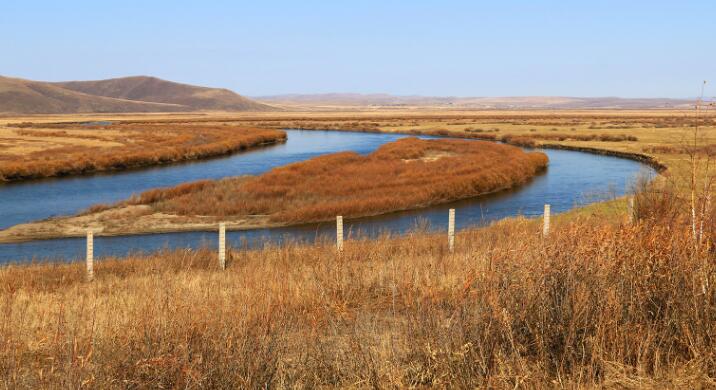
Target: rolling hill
128 94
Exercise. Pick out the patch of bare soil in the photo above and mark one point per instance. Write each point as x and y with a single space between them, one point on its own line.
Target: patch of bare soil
125 220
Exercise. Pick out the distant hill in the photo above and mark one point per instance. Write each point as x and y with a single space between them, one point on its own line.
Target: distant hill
33 97
152 89
528 102
128 94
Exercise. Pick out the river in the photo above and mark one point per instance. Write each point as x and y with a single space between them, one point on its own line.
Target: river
572 179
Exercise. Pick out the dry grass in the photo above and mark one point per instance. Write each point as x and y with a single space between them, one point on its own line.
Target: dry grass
707 150
598 304
409 173
587 129
45 151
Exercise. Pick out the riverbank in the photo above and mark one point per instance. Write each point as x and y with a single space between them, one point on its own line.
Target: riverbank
124 221
33 151
403 175
532 143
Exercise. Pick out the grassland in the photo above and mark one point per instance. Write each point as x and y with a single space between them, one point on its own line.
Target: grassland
627 131
407 174
655 134
29 151
600 303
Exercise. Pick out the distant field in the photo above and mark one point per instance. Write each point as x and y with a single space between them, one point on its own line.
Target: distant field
658 134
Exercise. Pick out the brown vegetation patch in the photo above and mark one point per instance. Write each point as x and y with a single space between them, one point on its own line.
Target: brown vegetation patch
94 149
401 175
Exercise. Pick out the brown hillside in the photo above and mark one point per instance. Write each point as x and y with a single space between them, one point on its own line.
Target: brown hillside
34 97
152 89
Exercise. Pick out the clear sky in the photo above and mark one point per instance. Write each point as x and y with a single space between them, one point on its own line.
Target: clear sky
446 48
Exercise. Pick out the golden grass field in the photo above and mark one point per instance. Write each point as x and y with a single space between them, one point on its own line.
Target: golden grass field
599 303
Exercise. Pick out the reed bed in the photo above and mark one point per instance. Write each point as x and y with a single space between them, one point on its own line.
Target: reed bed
598 304
132 146
408 173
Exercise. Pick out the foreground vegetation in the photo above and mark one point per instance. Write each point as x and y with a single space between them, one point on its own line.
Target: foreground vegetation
40 150
597 303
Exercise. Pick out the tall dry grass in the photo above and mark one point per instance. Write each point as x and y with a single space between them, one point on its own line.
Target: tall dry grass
408 173
597 304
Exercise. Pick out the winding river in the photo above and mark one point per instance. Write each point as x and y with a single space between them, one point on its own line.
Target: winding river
573 179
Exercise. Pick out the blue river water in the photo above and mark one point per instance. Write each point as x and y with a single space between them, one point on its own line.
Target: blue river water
572 179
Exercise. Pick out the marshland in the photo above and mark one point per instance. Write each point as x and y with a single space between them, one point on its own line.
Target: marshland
601 301
384 195
406 174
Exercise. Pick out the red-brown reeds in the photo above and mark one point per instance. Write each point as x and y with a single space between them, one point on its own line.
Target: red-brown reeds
136 145
409 173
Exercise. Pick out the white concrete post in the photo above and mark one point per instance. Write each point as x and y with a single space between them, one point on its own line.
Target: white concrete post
451 230
339 233
222 245
630 209
90 255
545 223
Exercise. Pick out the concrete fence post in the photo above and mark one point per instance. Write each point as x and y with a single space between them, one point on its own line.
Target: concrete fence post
339 233
630 209
222 245
451 230
90 255
545 223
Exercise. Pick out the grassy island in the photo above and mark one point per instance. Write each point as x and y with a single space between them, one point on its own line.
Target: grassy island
407 174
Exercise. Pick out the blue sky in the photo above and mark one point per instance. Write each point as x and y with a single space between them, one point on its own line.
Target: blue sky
445 48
